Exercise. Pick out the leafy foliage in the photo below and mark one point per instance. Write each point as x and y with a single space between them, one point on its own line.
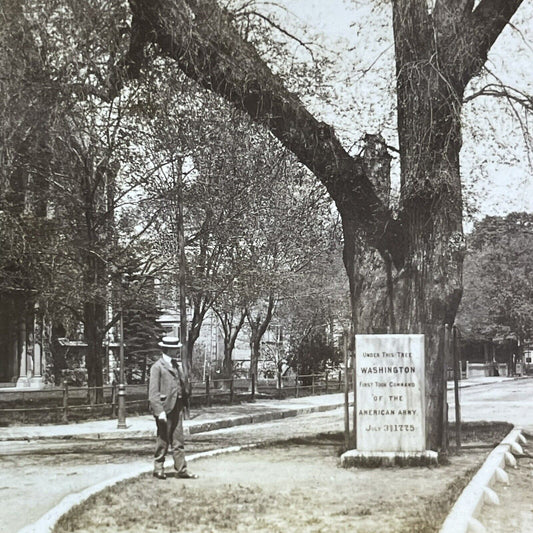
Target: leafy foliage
498 291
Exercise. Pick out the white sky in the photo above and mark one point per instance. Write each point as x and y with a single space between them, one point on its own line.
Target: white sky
495 167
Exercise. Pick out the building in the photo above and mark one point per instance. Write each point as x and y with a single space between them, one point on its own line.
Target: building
22 341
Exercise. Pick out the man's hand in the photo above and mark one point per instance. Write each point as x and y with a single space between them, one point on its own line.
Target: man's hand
162 416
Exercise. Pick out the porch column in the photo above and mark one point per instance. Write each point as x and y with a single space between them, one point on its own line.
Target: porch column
37 379
22 350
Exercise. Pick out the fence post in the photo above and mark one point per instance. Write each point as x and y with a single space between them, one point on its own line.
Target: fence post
297 385
339 382
253 386
65 401
312 384
207 391
326 382
231 390
279 384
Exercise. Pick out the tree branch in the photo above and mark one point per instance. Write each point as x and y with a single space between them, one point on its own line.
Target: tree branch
487 22
199 36
303 44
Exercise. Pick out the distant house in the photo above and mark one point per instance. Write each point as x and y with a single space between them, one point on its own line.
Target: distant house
22 332
499 355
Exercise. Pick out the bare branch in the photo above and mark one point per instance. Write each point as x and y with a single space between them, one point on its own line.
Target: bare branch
503 91
280 29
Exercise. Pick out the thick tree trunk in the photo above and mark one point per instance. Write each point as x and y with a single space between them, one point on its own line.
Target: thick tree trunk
429 107
94 313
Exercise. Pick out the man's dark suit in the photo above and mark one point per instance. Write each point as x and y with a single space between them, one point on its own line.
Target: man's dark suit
167 393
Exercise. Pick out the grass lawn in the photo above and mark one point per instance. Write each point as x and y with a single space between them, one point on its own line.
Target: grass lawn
294 486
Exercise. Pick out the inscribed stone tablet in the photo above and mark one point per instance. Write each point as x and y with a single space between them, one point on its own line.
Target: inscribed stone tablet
390 393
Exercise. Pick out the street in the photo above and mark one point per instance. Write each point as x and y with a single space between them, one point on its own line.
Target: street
53 469
508 401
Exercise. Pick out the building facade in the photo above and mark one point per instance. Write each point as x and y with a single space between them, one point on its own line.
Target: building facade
22 341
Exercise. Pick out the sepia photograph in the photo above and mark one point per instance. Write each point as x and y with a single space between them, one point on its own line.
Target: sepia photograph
266 266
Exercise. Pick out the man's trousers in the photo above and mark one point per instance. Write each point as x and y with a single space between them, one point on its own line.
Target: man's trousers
170 438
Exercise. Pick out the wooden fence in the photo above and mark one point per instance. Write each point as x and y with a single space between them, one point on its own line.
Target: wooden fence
68 404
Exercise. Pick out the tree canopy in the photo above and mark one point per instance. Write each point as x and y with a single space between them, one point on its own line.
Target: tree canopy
498 291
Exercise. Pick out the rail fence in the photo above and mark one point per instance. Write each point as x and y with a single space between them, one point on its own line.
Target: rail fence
70 404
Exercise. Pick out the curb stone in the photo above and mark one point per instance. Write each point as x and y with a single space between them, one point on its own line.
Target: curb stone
463 516
47 522
189 428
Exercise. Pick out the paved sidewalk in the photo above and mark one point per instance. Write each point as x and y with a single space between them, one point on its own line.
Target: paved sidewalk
472 382
202 419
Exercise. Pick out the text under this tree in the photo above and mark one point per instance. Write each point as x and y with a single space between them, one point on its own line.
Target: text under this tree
390 393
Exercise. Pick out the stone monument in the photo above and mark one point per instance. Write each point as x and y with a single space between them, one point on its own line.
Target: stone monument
389 401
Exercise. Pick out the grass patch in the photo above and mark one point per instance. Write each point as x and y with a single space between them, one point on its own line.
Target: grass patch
435 510
294 485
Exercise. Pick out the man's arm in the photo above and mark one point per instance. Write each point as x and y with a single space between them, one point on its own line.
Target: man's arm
154 393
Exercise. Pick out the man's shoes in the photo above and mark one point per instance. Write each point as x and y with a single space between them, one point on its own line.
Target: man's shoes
160 475
187 475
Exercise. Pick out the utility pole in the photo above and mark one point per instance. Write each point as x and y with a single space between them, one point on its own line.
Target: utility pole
182 265
346 398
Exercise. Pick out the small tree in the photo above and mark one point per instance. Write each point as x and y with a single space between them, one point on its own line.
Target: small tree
314 353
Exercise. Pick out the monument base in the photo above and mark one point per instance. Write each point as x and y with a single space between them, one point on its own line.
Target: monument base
353 458
35 382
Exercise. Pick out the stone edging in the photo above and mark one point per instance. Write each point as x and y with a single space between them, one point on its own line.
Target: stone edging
462 517
47 522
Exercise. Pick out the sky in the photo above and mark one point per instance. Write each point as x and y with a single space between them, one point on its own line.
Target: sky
496 169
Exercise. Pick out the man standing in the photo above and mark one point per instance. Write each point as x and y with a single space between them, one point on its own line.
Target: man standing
168 397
